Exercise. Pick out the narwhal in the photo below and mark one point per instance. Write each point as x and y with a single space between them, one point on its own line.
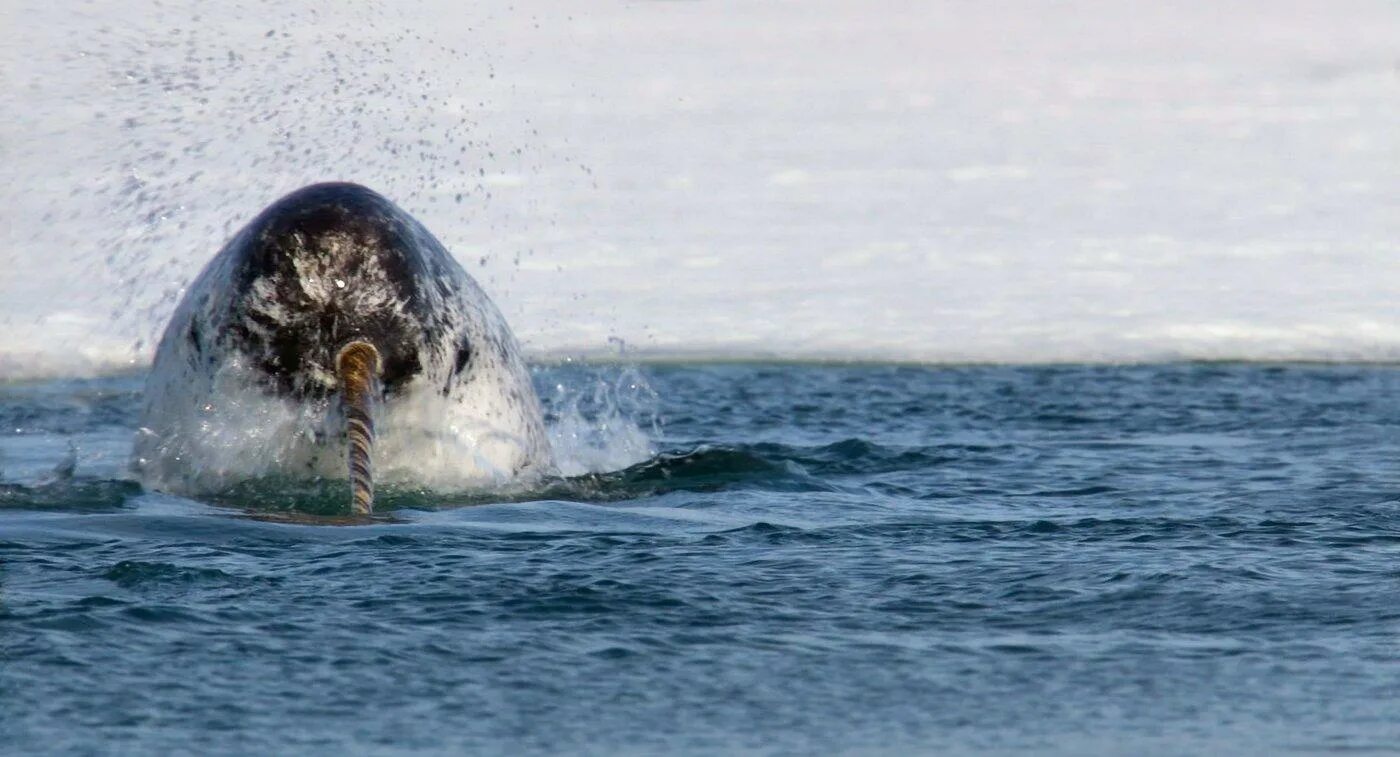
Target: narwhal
335 337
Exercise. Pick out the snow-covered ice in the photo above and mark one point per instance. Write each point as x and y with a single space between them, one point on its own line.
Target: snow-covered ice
937 181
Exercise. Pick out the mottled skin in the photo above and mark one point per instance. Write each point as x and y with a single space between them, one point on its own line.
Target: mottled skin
244 378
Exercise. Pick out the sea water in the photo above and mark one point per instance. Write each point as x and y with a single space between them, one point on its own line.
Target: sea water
1178 558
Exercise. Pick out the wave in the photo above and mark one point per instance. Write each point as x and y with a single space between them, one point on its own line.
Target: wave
706 468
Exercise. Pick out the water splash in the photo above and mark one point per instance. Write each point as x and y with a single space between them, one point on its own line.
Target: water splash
139 147
605 419
73 438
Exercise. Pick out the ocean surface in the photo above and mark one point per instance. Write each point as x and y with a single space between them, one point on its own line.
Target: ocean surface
800 559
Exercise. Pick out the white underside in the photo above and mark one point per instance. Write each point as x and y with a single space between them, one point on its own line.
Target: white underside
202 436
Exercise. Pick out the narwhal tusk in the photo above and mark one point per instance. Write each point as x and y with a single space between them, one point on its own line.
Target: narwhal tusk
357 371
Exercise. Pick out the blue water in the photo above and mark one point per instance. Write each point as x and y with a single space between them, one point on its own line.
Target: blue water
865 560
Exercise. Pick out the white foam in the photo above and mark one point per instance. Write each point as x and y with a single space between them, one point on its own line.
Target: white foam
934 181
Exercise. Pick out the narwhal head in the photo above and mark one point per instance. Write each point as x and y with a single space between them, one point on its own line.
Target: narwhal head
327 266
334 292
